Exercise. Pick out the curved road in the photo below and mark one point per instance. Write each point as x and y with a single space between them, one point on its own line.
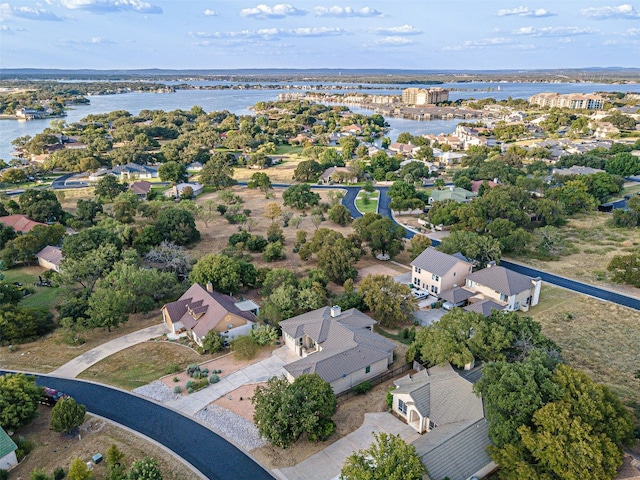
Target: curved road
212 455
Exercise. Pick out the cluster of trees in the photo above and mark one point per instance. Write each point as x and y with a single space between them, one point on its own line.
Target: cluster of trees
381 234
284 411
617 160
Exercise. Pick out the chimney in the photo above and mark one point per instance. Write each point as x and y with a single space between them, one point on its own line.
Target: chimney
209 287
491 264
336 311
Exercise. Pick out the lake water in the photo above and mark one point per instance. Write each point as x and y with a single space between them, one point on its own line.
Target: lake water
239 101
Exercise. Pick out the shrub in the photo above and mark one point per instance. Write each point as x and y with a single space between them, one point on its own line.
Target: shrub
241 237
324 431
4 475
205 372
265 335
199 384
213 341
24 448
177 389
189 390
173 368
390 397
244 348
363 387
256 243
214 378
273 252
176 379
59 473
193 369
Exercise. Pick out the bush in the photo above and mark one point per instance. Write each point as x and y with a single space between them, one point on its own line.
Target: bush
189 390
213 342
241 237
193 369
199 384
363 387
256 243
4 475
59 473
244 348
177 389
205 372
389 398
214 378
173 368
273 252
324 431
265 335
176 379
24 448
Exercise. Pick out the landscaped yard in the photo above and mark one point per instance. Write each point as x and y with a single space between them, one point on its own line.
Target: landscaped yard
367 207
42 297
601 338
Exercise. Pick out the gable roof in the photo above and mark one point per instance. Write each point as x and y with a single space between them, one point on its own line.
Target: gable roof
347 345
141 187
485 307
6 444
202 311
457 194
51 254
437 262
20 223
502 280
134 168
456 295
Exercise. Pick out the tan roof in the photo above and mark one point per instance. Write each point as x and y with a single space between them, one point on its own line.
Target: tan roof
501 280
202 311
20 223
51 254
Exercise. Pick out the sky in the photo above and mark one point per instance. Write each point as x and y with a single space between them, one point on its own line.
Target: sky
398 34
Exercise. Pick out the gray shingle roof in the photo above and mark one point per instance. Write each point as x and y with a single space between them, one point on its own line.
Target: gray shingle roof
6 444
456 295
346 342
501 280
485 307
434 261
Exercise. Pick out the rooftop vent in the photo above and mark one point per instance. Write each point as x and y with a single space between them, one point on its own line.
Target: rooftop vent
336 311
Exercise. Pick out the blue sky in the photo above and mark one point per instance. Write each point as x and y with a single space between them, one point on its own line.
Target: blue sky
399 34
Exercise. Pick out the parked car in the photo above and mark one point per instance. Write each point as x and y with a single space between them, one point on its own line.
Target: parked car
51 396
447 305
419 294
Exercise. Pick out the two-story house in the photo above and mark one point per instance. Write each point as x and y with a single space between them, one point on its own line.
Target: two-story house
436 272
510 289
339 346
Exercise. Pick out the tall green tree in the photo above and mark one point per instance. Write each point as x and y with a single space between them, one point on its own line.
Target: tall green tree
108 187
173 172
178 226
145 469
41 206
226 274
307 171
116 468
384 237
300 196
67 415
19 398
261 181
218 171
390 302
388 458
480 249
79 471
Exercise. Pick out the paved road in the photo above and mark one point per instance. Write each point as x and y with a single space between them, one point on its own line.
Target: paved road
213 456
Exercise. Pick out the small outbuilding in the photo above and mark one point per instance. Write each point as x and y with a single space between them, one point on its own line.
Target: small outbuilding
8 448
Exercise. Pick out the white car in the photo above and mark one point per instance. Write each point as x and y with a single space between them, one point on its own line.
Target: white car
419 294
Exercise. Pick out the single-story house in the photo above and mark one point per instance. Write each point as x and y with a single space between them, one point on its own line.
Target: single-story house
195 167
576 170
511 290
200 310
134 170
475 184
141 188
436 271
50 258
353 129
20 223
440 405
456 194
177 190
8 449
337 175
404 148
339 346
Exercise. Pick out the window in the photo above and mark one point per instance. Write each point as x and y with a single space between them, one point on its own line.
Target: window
454 274
417 270
435 277
402 407
416 281
516 306
367 369
528 301
503 297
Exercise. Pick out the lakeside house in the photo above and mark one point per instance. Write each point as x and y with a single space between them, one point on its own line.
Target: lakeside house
339 346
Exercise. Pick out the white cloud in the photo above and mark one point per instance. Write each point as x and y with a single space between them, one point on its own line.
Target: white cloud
30 13
402 30
555 31
210 13
394 41
272 33
480 43
105 6
621 11
337 11
632 32
6 30
101 41
280 10
522 11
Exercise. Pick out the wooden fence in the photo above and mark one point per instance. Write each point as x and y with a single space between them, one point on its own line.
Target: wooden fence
377 380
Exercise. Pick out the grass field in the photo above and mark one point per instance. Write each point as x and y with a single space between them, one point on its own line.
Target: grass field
372 207
43 297
141 364
601 338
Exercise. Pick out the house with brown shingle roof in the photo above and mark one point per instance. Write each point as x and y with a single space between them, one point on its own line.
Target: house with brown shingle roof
339 346
20 223
141 188
201 309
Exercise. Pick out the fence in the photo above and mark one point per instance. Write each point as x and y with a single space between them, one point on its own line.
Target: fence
377 380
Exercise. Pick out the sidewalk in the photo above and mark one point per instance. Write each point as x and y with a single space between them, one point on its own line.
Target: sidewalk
74 367
255 373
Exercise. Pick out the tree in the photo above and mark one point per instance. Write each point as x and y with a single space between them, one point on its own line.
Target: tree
116 469
218 172
6 233
417 245
388 458
307 171
391 303
107 310
86 211
19 398
480 249
272 211
20 324
260 181
626 269
226 274
300 196
145 469
67 415
337 259
340 215
177 225
79 471
109 187
382 235
41 206
273 252
213 342
284 411
173 172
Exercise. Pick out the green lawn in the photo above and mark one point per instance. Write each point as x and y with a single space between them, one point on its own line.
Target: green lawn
288 150
372 207
43 297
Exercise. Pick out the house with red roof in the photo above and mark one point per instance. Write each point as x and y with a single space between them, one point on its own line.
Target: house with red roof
20 223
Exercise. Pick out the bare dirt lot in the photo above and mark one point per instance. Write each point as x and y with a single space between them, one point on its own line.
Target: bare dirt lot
59 450
239 401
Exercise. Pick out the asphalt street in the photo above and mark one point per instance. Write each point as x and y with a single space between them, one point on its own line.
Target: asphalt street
209 453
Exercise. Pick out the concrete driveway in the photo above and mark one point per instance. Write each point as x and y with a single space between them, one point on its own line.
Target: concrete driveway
326 464
427 317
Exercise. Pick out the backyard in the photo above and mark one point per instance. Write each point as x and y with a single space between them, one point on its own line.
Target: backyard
42 297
